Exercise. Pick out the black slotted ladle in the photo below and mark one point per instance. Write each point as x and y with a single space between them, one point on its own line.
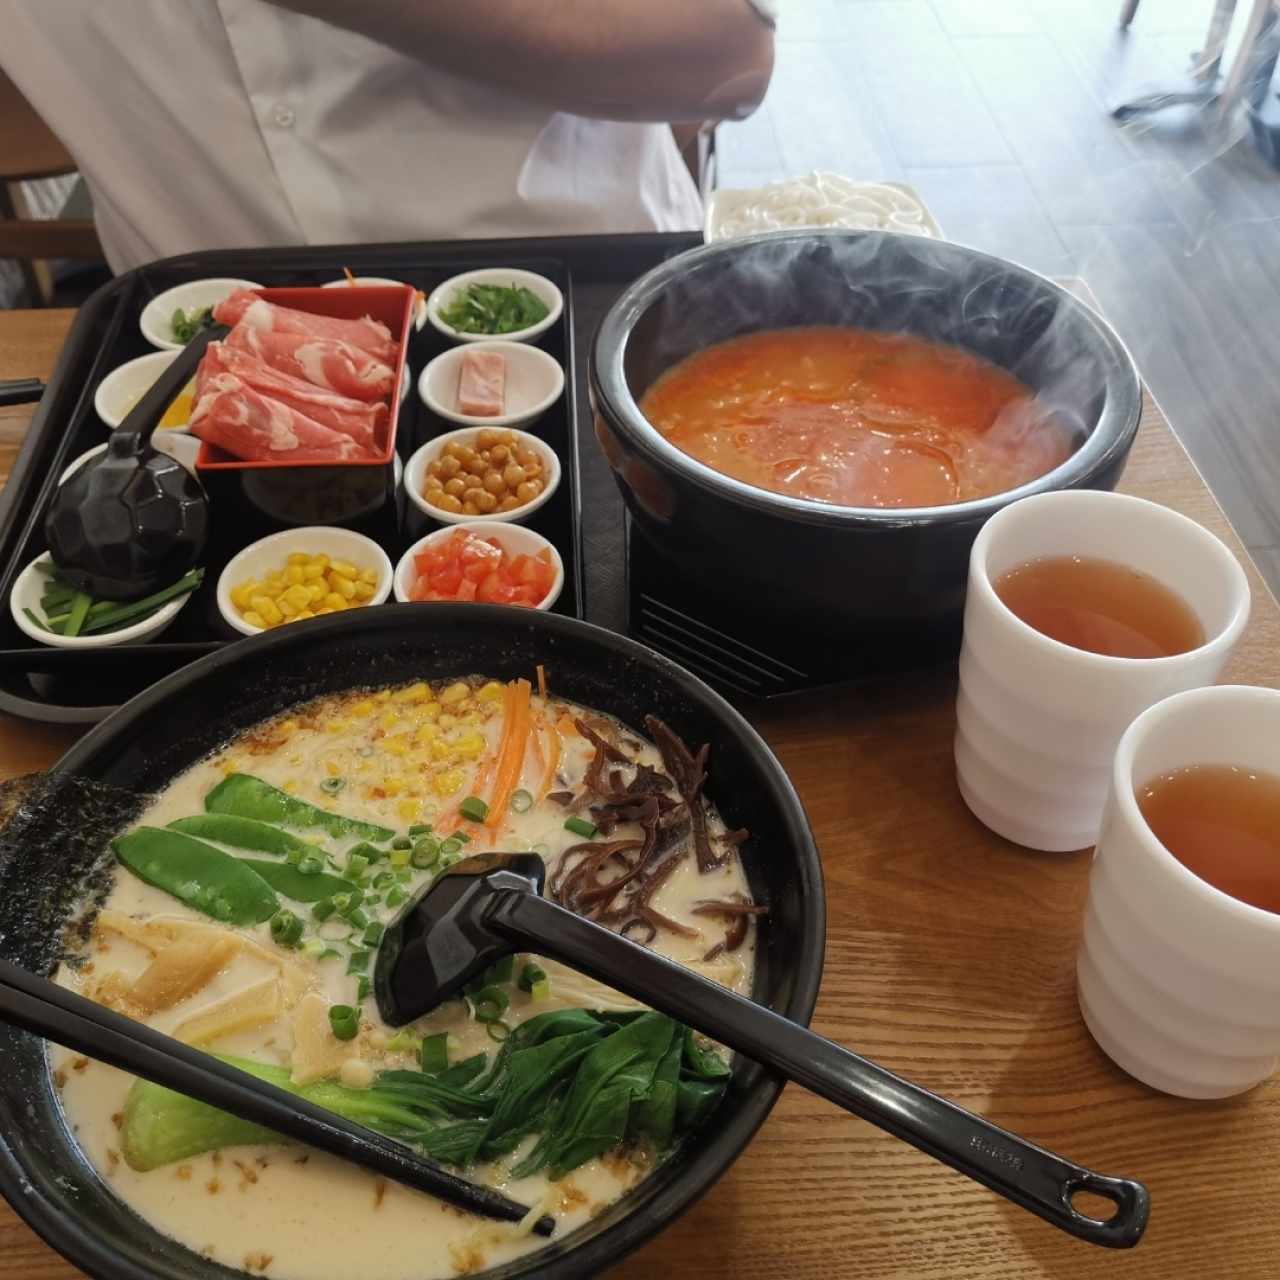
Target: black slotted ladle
134 519
490 906
48 1010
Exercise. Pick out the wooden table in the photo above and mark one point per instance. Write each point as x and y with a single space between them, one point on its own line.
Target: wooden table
950 959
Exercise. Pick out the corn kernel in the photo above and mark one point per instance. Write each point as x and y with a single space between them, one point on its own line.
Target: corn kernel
291 786
383 695
331 768
322 611
491 692
287 607
362 708
445 784
469 717
275 578
254 618
343 586
370 576
454 694
397 746
471 746
393 786
316 592
441 750
429 711
241 595
413 693
343 569
426 733
389 719
293 574
298 558
446 721
288 727
363 592
304 613
312 572
408 809
298 596
322 560
334 601
266 609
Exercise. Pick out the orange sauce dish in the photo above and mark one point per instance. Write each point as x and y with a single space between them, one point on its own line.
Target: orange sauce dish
856 418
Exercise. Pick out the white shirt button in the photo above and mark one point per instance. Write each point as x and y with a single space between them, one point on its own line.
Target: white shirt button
283 116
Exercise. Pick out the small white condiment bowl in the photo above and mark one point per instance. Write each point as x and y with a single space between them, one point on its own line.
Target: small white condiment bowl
29 588
122 388
416 473
156 321
268 555
381 282
534 383
442 297
513 537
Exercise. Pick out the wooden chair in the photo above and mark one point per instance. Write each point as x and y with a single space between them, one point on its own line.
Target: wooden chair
29 150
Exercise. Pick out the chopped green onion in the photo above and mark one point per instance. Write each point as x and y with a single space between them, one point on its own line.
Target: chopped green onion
383 879
344 1020
331 953
420 829
293 857
363 986
135 611
353 900
396 896
461 835
404 875
521 801
357 865
80 603
434 1054
490 1004
541 989
357 918
314 948
404 1042
372 934
580 827
358 962
286 928
399 858
451 847
474 808
370 852
331 786
498 1031
324 908
426 853
31 617
310 865
402 842
530 976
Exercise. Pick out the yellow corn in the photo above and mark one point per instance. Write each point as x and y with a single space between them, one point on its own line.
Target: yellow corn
393 786
343 586
445 784
389 719
446 721
455 693
470 746
429 711
293 574
316 591
291 786
322 611
298 596
491 692
275 580
334 601
383 695
254 618
241 595
343 569
322 560
304 613
397 746
408 809
331 768
370 576
426 733
266 609
441 750
363 592
419 692
362 708
298 558
287 607
312 572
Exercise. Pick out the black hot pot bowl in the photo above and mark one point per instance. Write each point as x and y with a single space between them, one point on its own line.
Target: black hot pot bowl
835 574
49 853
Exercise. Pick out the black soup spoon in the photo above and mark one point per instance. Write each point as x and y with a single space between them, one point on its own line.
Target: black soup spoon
490 906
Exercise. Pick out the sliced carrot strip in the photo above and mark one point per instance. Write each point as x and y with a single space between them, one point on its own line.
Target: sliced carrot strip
515 742
542 681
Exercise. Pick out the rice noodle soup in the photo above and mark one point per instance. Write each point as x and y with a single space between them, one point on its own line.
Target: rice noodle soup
856 417
243 915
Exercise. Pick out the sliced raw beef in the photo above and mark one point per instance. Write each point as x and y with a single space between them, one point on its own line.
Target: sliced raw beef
339 413
326 362
244 306
482 377
257 429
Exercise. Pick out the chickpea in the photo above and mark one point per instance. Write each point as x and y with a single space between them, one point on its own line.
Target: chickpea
526 456
486 457
470 509
434 484
513 475
509 503
454 449
447 502
487 437
476 465
434 468
484 500
499 454
457 486
493 482
450 466
527 491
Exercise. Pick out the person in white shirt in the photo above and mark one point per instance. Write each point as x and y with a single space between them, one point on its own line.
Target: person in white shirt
203 124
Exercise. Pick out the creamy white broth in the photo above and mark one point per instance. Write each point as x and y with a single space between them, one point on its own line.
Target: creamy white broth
290 1213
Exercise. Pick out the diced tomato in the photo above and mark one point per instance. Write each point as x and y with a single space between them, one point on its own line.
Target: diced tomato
464 567
466 590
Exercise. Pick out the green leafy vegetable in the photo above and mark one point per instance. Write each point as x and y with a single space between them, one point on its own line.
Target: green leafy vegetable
580 1082
243 833
245 796
293 882
186 324
70 612
491 308
198 874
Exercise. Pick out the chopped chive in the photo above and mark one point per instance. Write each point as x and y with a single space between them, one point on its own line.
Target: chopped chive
490 1003
521 801
138 609
293 857
383 879
399 858
580 827
474 808
434 1054
363 986
372 934
324 908
462 836
530 976
358 961
420 829
315 948
344 1021
286 928
402 842
498 1031
396 896
357 865
541 989
426 852
310 865
404 875
331 786
331 953
451 847
368 851
357 919
80 603
44 626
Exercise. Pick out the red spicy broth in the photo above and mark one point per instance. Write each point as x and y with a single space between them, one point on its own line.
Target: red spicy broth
856 417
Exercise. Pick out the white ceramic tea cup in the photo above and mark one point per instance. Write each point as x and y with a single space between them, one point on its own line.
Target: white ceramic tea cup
1037 720
1180 983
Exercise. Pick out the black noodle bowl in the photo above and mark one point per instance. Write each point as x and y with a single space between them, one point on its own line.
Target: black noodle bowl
171 725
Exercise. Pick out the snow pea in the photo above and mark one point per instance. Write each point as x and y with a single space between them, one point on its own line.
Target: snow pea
198 874
293 883
245 796
242 833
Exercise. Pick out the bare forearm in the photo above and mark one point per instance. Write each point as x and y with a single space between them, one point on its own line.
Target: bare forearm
613 59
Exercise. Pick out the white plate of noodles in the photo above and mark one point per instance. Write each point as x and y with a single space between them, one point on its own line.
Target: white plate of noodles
819 200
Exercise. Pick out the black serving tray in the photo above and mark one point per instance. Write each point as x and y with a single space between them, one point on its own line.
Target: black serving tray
70 686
